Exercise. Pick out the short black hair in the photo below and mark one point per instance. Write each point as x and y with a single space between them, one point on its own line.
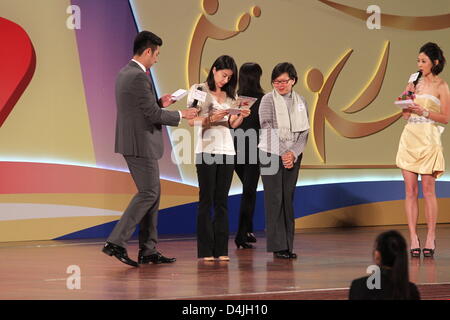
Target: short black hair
222 63
145 40
433 52
285 67
249 80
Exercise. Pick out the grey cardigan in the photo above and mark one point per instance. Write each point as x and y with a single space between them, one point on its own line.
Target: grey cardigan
269 140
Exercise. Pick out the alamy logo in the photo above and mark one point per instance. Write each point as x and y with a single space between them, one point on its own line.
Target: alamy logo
74 20
374 21
74 280
374 280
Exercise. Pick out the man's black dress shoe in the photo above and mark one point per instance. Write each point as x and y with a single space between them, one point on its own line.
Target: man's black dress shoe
282 254
155 258
250 237
292 255
120 253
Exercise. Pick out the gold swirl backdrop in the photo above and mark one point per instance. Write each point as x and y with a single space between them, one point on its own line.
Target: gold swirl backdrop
349 74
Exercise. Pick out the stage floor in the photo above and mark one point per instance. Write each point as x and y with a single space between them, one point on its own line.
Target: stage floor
329 259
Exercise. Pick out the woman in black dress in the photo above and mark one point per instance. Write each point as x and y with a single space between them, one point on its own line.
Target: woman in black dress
247 167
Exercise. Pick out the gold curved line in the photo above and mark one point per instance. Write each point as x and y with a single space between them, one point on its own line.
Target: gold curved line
373 88
424 23
354 130
203 30
318 124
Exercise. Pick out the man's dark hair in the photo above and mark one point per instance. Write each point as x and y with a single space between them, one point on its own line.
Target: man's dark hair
145 40
433 52
285 67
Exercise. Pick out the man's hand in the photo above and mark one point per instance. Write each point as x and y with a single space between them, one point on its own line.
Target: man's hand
189 113
288 159
166 100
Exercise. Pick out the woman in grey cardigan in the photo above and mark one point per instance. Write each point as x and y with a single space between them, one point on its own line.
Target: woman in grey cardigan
284 132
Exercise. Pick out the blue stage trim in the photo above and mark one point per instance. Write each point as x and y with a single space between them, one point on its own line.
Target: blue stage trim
308 200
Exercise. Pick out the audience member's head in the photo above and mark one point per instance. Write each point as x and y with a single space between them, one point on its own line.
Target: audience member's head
391 253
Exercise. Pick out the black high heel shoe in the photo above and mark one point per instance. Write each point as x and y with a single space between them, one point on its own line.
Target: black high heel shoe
251 237
244 245
429 253
415 253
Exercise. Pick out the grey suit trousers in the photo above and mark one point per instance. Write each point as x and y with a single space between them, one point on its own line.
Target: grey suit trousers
279 190
143 208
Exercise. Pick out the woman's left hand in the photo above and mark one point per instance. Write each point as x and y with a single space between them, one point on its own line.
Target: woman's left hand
245 113
288 159
417 109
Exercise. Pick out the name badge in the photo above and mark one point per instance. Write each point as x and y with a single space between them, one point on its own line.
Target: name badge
301 107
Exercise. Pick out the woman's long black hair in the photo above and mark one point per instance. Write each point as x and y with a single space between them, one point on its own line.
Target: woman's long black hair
392 247
221 63
249 80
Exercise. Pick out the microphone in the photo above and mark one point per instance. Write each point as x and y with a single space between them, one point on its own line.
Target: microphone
415 82
195 103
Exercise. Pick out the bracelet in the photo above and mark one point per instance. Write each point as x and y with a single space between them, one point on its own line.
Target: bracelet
426 113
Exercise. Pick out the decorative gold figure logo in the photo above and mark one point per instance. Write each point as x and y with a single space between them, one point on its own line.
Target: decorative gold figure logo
346 128
205 29
398 22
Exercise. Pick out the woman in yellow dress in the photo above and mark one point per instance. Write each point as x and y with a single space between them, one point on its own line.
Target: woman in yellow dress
420 148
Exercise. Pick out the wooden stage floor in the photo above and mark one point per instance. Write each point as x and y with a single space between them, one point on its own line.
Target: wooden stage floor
329 259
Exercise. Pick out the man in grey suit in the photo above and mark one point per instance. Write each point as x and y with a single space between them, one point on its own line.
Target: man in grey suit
140 116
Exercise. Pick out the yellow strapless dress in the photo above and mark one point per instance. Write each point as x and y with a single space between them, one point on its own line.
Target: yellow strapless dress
420 148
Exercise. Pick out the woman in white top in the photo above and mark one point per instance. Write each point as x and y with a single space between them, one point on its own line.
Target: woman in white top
215 156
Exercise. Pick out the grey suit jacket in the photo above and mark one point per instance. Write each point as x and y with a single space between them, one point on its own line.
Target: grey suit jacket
139 116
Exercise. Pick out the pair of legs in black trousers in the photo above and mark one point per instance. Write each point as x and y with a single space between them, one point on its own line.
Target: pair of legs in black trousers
249 176
215 174
279 189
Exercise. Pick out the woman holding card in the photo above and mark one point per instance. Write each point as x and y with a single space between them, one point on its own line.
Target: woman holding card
420 148
284 122
246 142
215 155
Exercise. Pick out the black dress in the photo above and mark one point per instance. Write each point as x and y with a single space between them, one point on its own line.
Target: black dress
248 170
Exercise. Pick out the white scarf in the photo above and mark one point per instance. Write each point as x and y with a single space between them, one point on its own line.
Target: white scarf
290 120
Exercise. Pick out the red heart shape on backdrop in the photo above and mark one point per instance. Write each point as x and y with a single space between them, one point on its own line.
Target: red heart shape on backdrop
17 65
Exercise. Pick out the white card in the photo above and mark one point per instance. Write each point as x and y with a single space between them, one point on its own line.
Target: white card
179 94
404 103
234 111
413 77
199 95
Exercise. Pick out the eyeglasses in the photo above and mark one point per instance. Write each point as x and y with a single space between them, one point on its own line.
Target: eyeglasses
278 82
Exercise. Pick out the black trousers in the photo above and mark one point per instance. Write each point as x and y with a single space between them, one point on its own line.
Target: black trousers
249 176
214 181
279 189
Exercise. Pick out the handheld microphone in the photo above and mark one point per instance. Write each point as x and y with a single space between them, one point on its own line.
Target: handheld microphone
415 82
195 103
